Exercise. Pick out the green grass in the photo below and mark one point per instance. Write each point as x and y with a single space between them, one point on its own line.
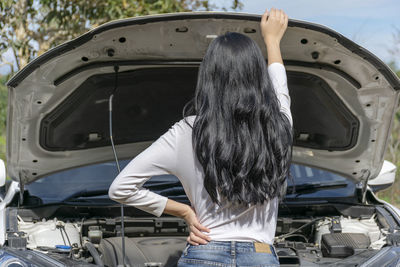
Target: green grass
392 194
3 147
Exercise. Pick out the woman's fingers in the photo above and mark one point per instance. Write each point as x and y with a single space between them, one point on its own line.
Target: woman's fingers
282 16
201 227
191 242
264 16
197 239
196 229
273 13
286 21
200 234
263 22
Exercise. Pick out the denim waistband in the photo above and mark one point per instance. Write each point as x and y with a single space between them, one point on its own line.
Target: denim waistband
239 246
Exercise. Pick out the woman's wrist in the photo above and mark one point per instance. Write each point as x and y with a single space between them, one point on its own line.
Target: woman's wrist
186 211
272 42
177 209
273 51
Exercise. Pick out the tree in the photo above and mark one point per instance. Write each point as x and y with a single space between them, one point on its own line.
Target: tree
393 153
31 27
392 194
3 116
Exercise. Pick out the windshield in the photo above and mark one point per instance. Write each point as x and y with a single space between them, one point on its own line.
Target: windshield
78 183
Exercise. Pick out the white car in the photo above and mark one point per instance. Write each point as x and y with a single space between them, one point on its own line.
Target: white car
56 210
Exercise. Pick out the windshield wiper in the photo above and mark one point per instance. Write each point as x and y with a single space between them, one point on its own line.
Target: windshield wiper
313 187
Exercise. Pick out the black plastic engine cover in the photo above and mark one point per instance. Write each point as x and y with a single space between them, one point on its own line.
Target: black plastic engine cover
341 245
143 251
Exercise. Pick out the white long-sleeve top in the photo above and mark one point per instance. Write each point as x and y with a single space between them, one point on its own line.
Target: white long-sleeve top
173 153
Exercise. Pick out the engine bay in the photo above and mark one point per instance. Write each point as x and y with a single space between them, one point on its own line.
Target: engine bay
311 235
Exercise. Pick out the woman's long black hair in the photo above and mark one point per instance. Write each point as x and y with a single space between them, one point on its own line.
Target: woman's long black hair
240 137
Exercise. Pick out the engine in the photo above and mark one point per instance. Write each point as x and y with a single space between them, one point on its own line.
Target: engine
317 236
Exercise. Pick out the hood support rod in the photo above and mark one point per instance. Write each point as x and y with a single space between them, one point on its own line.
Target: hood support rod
116 68
365 174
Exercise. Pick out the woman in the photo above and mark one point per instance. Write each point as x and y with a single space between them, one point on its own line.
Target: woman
232 158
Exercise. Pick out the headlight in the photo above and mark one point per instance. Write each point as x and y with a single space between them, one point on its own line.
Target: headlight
7 260
13 263
387 256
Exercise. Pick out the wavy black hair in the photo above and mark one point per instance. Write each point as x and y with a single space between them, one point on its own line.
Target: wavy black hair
240 137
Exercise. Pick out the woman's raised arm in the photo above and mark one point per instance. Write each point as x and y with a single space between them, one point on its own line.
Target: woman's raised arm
273 26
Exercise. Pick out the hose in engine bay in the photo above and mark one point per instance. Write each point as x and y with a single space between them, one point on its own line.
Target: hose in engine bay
96 257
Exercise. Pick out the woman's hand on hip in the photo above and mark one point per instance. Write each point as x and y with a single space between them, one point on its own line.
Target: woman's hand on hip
273 25
186 212
196 236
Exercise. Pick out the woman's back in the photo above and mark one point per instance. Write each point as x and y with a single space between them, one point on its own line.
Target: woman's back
226 222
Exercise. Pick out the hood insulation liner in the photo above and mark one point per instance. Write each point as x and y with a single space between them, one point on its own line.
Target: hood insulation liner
148 95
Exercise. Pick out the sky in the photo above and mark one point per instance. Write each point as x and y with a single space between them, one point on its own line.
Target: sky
369 23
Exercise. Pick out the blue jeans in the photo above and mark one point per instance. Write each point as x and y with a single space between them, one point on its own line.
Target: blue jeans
228 253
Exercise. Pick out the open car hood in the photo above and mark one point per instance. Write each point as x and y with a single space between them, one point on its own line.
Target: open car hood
343 97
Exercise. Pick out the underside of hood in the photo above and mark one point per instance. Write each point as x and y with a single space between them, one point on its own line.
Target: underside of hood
343 97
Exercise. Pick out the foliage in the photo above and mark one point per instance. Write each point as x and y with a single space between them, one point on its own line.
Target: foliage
3 116
3 103
392 194
31 27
